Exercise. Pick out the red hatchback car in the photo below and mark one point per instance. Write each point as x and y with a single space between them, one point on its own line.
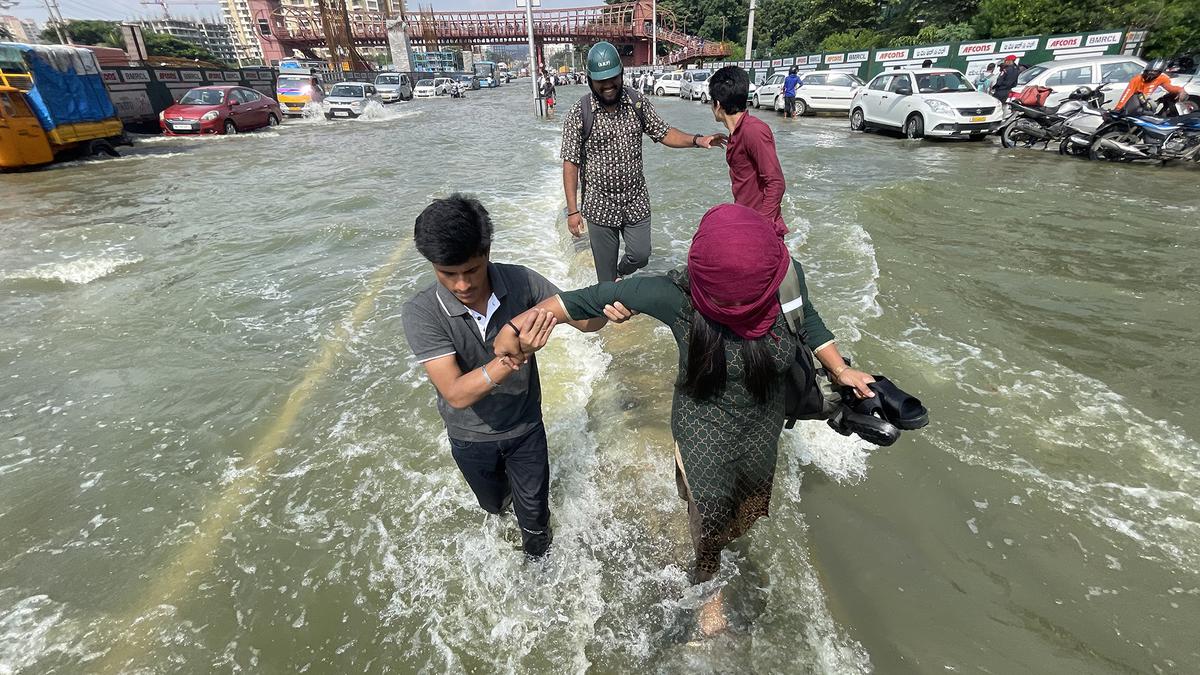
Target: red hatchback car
219 110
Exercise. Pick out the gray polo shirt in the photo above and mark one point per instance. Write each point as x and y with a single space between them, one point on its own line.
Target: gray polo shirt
437 324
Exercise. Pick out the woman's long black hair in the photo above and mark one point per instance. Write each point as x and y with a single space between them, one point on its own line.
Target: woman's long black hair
707 374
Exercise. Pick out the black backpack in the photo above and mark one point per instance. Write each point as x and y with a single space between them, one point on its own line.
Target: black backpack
809 392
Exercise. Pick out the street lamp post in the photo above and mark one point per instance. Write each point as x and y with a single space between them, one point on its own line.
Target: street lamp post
539 106
654 34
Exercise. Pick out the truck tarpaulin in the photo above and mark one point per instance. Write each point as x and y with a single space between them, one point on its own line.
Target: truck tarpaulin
67 85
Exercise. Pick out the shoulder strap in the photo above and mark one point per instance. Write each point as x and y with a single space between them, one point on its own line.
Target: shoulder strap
585 107
636 98
791 301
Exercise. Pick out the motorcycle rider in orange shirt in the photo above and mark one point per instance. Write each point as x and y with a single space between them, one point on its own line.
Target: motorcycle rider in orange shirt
1135 100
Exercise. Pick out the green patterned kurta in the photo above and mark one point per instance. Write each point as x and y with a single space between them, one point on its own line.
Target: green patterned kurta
727 445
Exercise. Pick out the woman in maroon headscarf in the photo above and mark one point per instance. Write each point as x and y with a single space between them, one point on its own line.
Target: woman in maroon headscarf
734 350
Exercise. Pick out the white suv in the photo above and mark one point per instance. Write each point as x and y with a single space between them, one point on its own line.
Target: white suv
1064 76
925 102
691 86
669 83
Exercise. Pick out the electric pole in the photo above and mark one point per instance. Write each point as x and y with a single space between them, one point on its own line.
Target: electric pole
160 3
60 26
750 31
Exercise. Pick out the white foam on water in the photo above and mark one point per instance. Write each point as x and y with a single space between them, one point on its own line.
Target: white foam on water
79 271
32 628
126 156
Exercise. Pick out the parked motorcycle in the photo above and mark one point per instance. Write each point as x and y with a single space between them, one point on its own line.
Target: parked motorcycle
1171 137
1029 126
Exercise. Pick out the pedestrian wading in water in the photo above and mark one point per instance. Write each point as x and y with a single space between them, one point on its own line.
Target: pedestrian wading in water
602 164
754 171
492 405
734 351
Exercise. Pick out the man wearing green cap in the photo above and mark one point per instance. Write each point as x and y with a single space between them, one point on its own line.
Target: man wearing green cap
602 153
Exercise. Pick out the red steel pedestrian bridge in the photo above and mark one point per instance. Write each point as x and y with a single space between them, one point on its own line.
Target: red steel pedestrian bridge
627 25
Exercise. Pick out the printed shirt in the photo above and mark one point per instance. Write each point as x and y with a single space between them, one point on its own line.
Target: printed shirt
438 325
754 170
790 83
612 182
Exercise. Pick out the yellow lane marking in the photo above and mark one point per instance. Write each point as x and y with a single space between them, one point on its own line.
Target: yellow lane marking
197 556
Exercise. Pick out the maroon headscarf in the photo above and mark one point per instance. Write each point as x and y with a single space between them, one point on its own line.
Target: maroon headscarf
735 266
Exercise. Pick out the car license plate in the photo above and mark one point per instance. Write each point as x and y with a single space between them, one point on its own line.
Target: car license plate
979 118
341 113
183 127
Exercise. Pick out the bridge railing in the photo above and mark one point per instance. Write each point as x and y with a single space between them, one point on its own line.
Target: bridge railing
614 22
603 21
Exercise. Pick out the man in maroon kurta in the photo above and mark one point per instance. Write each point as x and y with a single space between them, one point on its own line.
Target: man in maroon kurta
754 167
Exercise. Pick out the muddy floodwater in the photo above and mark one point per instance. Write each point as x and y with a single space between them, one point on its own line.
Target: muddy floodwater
217 454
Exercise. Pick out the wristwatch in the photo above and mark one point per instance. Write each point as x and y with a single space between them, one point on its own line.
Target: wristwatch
695 137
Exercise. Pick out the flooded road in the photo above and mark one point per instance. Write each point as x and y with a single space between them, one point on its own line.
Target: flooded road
216 453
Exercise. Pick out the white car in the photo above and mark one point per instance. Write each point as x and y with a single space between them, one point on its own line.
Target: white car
349 99
1064 76
425 89
668 84
690 86
705 97
1189 80
925 102
826 90
769 90
444 86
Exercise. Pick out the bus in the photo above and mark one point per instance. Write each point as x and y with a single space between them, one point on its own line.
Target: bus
488 73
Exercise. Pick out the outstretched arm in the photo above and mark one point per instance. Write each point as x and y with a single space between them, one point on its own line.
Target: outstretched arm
678 139
510 343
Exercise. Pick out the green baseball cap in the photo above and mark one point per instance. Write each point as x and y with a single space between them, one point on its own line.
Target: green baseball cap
603 61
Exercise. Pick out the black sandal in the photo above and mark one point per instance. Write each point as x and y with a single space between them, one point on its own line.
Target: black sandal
899 407
863 420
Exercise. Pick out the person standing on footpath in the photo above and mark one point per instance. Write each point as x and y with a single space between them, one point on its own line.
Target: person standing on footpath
790 83
983 83
492 406
602 164
1007 79
754 170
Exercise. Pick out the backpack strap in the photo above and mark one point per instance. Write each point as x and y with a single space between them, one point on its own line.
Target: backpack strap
792 302
589 119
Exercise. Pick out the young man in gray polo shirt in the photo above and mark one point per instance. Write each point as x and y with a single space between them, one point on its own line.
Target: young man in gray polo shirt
492 406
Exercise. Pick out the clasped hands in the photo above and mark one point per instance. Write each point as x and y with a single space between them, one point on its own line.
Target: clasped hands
514 348
535 328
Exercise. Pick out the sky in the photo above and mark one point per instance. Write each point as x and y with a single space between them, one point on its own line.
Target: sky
131 9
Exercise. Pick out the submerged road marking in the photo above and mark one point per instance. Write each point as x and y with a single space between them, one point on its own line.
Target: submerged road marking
196 555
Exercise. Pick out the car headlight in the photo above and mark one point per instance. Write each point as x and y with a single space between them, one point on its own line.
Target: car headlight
162 115
940 107
210 115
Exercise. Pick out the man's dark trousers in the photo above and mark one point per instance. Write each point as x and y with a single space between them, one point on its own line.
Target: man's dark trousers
606 249
516 470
